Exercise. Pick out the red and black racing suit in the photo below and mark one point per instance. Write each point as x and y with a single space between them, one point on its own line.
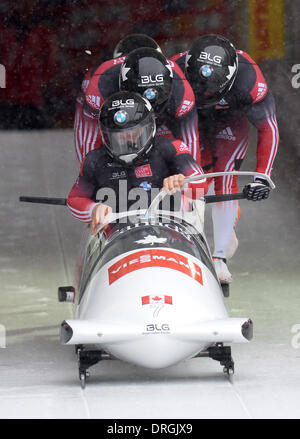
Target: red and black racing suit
167 157
224 128
179 120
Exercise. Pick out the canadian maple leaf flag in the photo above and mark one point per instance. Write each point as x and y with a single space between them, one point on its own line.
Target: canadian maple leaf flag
146 300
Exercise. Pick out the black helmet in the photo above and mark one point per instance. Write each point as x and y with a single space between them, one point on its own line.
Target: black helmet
127 125
149 73
132 42
211 67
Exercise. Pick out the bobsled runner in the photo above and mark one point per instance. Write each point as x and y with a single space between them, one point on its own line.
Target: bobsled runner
148 294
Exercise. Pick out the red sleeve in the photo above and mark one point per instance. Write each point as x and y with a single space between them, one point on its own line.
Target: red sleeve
263 116
267 144
93 96
198 188
188 98
176 57
260 88
189 168
87 136
77 124
189 134
185 123
86 80
79 200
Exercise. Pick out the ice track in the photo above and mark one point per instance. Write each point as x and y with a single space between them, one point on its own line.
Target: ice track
39 377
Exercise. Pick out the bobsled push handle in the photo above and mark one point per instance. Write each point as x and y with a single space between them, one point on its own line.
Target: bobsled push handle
224 173
212 198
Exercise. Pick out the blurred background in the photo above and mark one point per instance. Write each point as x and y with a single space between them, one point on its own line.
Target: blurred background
46 46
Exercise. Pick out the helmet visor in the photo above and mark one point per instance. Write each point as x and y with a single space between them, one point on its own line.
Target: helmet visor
129 143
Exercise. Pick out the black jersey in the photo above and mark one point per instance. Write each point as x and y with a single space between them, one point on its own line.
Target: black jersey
249 96
249 88
100 172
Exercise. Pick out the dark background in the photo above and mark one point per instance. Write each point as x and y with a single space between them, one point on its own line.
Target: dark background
43 46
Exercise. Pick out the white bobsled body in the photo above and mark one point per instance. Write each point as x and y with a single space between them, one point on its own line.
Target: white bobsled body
148 294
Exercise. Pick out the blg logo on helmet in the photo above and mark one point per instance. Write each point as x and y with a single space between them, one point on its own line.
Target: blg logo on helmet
149 73
155 79
120 103
216 59
152 79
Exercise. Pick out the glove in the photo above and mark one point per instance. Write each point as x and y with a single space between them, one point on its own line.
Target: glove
258 190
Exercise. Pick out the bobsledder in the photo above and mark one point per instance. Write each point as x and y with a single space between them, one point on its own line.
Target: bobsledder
148 293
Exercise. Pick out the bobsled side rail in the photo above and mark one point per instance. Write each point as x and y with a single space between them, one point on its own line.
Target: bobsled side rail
208 199
44 200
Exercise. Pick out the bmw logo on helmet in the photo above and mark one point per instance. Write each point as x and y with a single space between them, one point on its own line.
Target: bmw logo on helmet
206 71
150 94
120 117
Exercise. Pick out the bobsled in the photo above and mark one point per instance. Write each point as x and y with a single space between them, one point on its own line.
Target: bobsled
147 292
